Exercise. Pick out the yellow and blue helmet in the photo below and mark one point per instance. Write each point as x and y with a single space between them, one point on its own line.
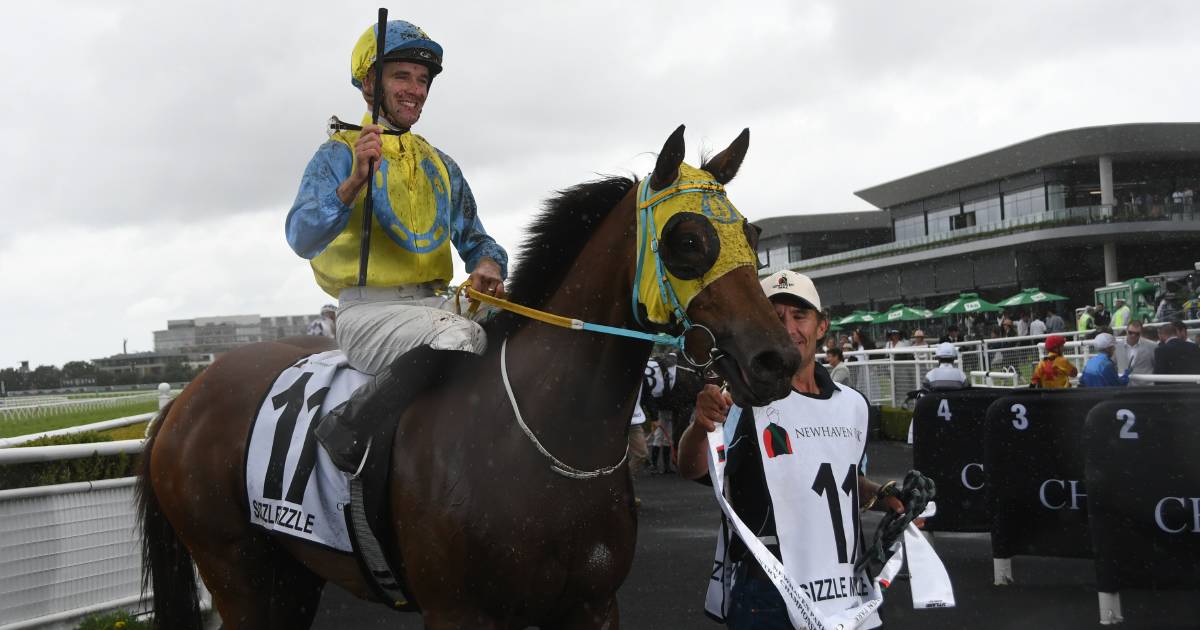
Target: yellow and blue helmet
403 41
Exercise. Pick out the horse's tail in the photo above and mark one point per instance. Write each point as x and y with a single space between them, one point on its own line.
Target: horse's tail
166 562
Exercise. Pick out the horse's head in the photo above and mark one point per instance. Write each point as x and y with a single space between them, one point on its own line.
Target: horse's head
697 269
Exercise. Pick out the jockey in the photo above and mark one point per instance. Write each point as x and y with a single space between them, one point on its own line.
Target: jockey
395 326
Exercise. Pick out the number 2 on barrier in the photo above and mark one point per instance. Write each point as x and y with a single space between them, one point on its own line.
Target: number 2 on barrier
1127 432
944 410
1020 421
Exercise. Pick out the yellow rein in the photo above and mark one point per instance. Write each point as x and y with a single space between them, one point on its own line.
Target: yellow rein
566 322
476 297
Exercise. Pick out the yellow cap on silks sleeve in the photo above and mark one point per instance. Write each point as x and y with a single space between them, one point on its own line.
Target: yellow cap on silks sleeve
697 192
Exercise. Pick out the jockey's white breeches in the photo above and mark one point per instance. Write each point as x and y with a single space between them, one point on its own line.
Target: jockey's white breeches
375 325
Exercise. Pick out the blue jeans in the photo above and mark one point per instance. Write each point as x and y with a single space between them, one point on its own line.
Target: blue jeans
757 604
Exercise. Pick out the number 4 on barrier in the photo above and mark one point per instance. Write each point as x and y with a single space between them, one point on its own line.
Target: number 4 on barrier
944 410
1127 432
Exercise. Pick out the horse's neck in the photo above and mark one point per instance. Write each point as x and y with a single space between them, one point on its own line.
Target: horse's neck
577 389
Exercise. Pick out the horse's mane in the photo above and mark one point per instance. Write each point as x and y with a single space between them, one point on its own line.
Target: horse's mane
566 222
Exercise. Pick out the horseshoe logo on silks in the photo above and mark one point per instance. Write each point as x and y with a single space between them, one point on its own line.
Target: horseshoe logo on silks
401 234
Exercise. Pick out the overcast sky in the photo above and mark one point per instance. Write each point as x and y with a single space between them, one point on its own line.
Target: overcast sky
153 148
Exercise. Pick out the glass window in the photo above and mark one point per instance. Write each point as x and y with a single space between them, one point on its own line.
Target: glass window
939 220
1057 195
986 210
1025 202
909 227
793 252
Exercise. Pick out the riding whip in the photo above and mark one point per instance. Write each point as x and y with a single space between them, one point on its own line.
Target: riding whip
364 247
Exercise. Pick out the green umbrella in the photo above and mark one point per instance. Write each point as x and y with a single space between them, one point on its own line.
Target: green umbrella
902 313
965 303
859 317
1031 296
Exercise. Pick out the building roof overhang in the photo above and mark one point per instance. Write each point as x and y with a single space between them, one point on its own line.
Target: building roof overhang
1133 141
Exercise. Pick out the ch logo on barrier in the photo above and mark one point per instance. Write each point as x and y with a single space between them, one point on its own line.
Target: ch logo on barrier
966 477
1063 493
1171 515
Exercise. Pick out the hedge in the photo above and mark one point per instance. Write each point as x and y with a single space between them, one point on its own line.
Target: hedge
120 620
894 423
91 468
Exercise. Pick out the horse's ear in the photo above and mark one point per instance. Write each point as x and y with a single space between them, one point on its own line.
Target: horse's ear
666 170
726 163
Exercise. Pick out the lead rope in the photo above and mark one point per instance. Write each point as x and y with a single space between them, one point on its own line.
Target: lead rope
556 464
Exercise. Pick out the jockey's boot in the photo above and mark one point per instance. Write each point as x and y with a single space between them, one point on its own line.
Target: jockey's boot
346 430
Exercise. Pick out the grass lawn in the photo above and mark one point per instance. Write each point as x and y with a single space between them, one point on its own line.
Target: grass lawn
131 432
25 426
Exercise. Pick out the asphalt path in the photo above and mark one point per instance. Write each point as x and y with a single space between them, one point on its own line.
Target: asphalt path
677 529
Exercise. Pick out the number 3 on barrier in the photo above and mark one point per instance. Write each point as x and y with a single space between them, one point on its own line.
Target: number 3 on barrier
1020 421
1127 432
944 410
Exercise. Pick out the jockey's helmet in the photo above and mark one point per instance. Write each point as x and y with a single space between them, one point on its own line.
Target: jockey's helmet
403 42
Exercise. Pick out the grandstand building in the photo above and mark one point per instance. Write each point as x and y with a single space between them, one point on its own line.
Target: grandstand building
214 335
1066 212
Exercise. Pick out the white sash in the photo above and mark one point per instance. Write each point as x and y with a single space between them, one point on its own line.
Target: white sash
930 583
801 610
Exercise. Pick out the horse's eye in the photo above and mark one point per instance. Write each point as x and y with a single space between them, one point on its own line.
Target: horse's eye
689 246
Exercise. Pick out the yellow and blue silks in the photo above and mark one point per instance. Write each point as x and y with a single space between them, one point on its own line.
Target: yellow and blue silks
422 204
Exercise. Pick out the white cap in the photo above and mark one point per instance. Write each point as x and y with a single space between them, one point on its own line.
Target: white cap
797 285
1103 341
946 350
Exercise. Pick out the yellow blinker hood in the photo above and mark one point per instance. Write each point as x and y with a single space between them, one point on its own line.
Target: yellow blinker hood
664 296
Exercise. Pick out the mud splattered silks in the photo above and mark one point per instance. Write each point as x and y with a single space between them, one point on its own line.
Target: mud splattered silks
421 201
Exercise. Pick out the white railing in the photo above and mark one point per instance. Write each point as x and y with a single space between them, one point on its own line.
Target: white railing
1009 362
1164 378
1006 379
103 425
886 380
70 550
27 401
23 412
66 551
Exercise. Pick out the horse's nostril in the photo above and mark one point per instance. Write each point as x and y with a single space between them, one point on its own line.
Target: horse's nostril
769 364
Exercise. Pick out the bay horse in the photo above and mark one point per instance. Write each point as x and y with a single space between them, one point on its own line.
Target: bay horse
486 535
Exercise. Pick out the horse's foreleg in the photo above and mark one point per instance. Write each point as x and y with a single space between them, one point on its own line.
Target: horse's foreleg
590 616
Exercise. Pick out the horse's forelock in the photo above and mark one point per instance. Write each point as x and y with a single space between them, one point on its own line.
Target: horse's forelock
557 235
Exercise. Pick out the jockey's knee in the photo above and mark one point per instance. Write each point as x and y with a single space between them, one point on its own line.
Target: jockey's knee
454 332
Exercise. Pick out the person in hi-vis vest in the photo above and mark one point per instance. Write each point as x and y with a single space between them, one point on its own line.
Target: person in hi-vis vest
396 325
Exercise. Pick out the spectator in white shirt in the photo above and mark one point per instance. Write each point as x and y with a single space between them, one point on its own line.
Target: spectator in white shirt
1037 327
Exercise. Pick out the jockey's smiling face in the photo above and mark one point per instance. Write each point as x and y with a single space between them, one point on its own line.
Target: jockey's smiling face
405 88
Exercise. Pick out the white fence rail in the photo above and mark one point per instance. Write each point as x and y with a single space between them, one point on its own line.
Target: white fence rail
24 412
69 550
95 426
885 376
28 401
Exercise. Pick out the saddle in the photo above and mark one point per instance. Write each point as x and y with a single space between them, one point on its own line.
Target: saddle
293 488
